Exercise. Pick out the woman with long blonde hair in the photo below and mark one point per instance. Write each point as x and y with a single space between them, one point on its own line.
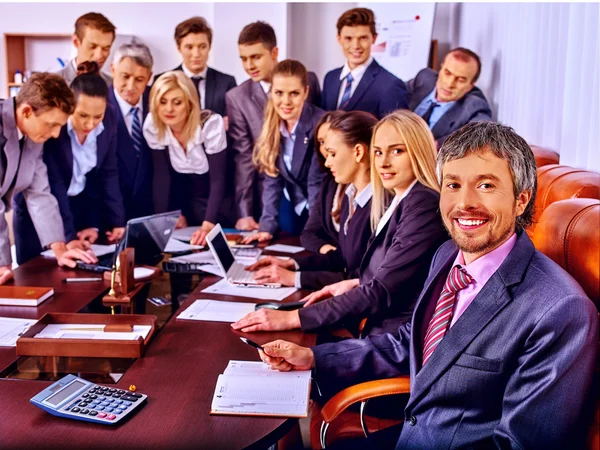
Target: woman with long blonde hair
285 153
407 230
189 161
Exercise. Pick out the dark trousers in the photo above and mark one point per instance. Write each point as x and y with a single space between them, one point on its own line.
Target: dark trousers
289 221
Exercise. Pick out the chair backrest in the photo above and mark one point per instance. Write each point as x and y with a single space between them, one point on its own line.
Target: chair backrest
556 182
544 156
569 233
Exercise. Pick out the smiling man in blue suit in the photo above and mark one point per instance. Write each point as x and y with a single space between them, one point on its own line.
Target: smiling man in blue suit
502 346
361 84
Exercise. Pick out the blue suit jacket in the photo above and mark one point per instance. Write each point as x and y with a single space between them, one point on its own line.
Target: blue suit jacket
135 175
515 371
319 229
392 271
303 181
379 92
473 107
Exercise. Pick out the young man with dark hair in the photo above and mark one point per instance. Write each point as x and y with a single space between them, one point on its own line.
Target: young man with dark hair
361 84
37 113
502 346
246 103
448 99
93 37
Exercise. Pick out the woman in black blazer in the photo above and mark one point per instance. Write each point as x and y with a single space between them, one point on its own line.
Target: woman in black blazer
82 171
347 157
406 234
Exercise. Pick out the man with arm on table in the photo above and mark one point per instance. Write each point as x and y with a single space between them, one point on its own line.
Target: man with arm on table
37 113
503 342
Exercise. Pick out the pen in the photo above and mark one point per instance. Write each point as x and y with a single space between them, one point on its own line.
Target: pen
80 280
251 343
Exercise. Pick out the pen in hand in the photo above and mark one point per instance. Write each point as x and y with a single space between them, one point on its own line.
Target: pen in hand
251 343
80 280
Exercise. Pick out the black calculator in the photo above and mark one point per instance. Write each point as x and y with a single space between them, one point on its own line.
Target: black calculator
75 398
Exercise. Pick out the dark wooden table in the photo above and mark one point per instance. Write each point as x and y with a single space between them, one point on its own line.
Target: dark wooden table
178 373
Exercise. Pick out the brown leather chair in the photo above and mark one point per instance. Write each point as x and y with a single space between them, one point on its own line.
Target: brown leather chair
556 182
544 156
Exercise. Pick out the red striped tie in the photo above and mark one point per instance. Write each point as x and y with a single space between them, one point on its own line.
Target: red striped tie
458 279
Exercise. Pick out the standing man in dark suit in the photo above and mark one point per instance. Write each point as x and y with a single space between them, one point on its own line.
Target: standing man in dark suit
449 99
38 112
131 71
361 84
502 346
246 103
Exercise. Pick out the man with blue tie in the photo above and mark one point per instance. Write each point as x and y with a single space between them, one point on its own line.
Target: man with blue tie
449 99
361 84
131 70
502 346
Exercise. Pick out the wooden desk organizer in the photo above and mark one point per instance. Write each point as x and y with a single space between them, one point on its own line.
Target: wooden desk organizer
93 348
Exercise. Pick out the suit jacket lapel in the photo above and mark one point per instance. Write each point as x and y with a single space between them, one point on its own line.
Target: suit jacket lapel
375 240
66 154
365 83
128 158
301 143
332 104
446 122
209 91
11 148
259 98
494 296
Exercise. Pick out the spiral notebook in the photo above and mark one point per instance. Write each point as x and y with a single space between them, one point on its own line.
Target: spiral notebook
243 391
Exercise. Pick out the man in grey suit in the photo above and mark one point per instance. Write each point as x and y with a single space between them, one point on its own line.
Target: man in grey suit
245 104
38 112
93 37
448 99
502 345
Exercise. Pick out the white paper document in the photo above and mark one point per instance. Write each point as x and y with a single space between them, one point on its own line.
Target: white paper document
173 245
264 293
99 250
242 390
11 329
184 234
91 331
284 248
209 262
216 311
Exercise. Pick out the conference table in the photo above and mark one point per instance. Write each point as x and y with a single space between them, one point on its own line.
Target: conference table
178 372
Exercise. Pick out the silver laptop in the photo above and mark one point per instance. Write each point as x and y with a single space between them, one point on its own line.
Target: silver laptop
234 272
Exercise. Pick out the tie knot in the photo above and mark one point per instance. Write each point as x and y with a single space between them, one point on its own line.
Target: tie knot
458 279
434 104
134 110
349 78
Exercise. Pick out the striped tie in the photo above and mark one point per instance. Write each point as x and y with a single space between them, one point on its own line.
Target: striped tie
347 91
136 131
438 326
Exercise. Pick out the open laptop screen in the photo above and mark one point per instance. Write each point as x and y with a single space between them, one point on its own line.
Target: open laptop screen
222 250
149 236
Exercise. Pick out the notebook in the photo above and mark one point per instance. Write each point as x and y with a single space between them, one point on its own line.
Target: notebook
243 391
24 295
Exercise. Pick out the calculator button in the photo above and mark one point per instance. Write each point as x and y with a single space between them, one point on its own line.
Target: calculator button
102 399
76 409
111 390
93 413
135 394
93 396
127 403
117 395
121 392
85 411
100 408
111 417
102 415
83 404
118 411
95 402
104 404
129 398
85 395
104 388
108 409
110 400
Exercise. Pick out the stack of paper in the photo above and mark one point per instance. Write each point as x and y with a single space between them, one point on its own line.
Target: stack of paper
11 329
243 390
284 248
216 311
174 246
264 293
90 331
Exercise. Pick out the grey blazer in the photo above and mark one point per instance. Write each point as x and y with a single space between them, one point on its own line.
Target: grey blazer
516 370
30 176
69 73
245 106
473 107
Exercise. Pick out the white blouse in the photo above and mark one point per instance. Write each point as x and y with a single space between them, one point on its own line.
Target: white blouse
209 139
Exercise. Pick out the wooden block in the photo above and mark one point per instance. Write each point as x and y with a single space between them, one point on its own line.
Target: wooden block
118 328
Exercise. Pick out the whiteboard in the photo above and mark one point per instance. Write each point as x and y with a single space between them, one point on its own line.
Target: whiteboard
404 33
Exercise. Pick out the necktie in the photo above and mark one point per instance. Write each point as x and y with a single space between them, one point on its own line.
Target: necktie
458 279
136 131
347 91
429 111
196 81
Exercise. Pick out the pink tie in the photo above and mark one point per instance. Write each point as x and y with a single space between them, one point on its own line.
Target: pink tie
458 279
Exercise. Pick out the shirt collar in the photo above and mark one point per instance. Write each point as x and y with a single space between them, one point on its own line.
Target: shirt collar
20 134
284 131
124 105
432 97
189 73
358 71
93 134
265 85
485 266
363 196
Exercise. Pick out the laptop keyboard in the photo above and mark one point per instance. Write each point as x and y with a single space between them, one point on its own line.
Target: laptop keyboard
239 274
